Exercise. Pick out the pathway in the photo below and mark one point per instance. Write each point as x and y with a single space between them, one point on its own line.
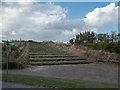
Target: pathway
94 72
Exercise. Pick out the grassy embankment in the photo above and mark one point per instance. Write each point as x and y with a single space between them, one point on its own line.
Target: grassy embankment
89 53
55 82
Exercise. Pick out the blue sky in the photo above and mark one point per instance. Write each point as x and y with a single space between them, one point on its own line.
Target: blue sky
58 21
80 9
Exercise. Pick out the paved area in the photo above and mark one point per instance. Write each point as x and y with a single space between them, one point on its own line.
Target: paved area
93 72
17 85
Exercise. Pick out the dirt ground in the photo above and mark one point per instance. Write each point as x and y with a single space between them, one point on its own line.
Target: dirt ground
100 72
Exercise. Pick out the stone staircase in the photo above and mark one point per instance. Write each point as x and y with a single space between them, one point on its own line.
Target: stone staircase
42 54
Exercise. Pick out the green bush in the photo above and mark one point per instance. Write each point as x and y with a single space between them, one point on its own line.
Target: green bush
13 65
112 47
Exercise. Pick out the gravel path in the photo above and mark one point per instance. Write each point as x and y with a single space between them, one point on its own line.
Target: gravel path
94 72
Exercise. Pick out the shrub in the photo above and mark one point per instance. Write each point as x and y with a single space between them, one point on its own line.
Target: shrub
13 65
112 47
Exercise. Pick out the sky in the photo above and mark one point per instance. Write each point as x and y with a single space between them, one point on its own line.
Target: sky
58 21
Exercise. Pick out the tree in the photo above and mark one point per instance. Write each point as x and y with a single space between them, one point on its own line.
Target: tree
118 37
71 41
81 38
106 37
100 37
92 37
77 40
113 36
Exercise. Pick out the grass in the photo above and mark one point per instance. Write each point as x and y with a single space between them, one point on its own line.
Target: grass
65 58
48 56
60 62
35 47
55 55
55 82
46 60
38 53
41 54
46 52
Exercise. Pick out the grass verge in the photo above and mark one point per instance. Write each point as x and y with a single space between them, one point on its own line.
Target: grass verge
55 82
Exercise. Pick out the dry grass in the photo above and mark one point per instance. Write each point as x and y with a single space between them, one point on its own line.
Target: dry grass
85 52
13 51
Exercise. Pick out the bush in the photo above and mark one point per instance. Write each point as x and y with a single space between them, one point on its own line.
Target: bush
13 65
112 47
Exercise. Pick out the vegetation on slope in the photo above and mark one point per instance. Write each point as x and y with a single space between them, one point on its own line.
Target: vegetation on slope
86 52
104 41
14 52
111 47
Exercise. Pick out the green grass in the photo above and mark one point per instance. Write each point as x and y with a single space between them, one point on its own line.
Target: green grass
53 56
69 58
35 47
55 82
56 62
42 54
37 53
56 55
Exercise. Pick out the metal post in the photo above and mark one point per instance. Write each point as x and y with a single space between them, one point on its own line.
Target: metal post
7 43
7 59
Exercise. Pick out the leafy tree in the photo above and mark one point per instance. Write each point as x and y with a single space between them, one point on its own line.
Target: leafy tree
81 38
77 40
113 36
100 37
71 41
92 37
105 37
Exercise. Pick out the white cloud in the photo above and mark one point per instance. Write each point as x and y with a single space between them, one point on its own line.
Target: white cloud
30 19
94 30
74 30
13 33
2 36
101 16
39 21
46 21
20 1
64 15
119 15
68 32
